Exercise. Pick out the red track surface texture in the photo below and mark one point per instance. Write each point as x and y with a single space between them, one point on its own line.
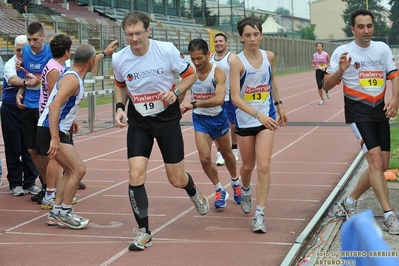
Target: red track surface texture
308 161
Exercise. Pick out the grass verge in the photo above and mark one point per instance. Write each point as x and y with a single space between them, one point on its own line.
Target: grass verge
394 162
101 100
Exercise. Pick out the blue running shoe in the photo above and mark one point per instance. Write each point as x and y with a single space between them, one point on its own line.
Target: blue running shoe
237 193
221 198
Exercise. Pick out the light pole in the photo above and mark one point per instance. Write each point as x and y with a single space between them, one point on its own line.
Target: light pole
292 19
367 4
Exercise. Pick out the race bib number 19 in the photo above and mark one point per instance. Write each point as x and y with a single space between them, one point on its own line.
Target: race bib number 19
372 80
148 104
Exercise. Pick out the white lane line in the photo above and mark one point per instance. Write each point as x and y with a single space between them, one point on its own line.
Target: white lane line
7 210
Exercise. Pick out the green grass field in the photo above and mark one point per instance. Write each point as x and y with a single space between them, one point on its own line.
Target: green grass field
394 163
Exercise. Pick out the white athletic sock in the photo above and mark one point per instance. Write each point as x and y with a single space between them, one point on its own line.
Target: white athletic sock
260 210
218 185
350 200
234 181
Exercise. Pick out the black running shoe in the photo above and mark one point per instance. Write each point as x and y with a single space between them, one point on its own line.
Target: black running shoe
38 196
81 185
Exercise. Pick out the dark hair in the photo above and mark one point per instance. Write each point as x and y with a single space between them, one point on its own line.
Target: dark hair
254 22
84 53
59 45
361 12
221 34
198 44
35 27
320 43
134 17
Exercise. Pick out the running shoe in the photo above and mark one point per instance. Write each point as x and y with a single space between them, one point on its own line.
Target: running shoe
200 202
221 197
235 152
72 220
258 225
81 185
17 191
237 193
51 219
74 200
219 159
1 182
142 240
246 203
328 95
38 196
321 102
391 224
348 209
34 190
47 204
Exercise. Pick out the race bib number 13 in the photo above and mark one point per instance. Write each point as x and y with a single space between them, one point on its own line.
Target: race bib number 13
257 95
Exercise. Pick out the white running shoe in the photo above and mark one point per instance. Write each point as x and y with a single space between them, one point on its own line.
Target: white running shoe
143 240
321 102
328 95
258 225
219 159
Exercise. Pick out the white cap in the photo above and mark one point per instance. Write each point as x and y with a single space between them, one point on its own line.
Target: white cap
21 39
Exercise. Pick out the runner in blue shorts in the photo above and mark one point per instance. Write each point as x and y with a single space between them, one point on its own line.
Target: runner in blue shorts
210 119
222 58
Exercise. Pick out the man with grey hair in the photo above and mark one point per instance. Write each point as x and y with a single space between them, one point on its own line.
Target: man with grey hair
53 140
21 172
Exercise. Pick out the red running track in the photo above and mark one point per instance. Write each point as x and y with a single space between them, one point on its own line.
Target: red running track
310 156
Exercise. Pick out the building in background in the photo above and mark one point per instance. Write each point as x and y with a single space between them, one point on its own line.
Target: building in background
327 15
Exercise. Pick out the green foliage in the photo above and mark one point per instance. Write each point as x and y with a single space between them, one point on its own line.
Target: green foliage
380 27
282 11
203 17
394 17
261 18
307 33
394 162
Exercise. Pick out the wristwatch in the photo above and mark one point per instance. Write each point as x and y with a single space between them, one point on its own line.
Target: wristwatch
176 92
194 104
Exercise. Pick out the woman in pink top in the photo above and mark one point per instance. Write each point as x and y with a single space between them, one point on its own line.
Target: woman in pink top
321 60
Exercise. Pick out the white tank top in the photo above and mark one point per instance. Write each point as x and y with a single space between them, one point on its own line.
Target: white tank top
68 111
255 90
223 63
202 90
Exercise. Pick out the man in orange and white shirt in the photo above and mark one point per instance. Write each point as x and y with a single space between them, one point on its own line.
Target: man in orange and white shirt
364 66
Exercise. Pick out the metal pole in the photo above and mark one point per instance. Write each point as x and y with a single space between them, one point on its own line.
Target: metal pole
292 18
92 110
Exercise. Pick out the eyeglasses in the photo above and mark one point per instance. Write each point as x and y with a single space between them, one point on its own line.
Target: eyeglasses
137 34
18 50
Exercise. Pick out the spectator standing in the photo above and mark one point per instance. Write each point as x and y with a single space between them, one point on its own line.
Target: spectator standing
35 56
21 172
